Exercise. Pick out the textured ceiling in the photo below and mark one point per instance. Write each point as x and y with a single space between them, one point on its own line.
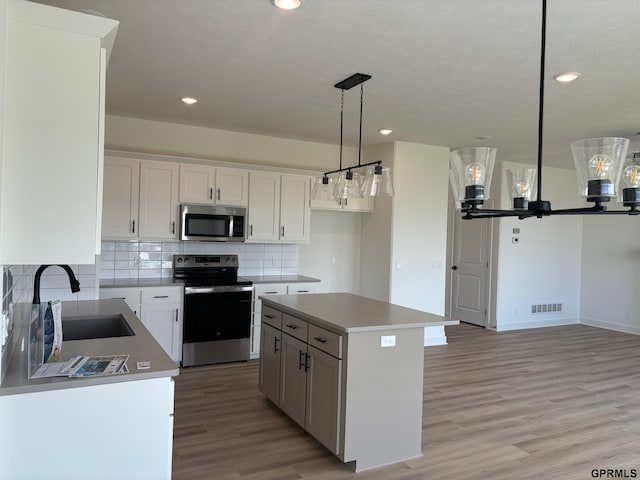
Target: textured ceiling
444 71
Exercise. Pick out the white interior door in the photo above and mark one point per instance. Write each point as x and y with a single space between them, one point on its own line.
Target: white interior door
470 270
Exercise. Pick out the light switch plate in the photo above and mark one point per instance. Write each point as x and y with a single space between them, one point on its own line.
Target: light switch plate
388 341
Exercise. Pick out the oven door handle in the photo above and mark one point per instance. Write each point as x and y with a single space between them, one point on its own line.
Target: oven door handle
218 289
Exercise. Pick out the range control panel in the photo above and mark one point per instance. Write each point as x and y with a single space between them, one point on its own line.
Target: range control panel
199 261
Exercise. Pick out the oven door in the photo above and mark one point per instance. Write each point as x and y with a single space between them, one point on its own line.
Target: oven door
217 313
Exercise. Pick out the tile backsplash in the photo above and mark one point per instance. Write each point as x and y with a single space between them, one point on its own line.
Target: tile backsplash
54 283
138 259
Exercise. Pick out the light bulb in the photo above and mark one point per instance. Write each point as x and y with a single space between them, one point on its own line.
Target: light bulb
474 174
522 189
599 166
631 176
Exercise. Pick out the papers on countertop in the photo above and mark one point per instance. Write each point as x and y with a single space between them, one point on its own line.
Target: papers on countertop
84 366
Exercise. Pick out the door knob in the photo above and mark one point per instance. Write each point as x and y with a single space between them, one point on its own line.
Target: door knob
455 267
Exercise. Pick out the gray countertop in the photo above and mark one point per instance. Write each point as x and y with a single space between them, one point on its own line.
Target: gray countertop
258 279
168 282
347 313
140 282
140 347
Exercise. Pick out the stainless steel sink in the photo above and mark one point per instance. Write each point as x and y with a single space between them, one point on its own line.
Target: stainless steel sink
95 326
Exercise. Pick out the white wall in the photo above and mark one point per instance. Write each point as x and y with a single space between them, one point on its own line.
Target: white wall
146 136
375 267
545 266
610 278
333 253
419 237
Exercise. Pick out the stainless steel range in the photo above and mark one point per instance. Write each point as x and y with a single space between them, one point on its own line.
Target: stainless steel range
217 309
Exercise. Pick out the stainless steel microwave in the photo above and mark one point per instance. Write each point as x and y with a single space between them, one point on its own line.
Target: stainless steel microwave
212 224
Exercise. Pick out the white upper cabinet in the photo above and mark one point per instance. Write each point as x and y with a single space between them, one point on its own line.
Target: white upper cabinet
264 207
213 186
140 199
294 208
52 133
278 208
158 200
121 192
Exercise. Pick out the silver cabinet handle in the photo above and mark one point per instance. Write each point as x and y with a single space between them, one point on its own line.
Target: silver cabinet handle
133 226
211 193
306 361
176 314
268 316
320 339
173 227
161 296
218 194
251 230
302 359
291 326
302 291
283 230
275 344
265 293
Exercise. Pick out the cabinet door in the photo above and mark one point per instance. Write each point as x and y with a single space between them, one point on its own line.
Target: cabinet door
264 206
294 208
324 386
120 198
269 367
51 155
293 378
131 296
196 184
158 200
164 320
232 187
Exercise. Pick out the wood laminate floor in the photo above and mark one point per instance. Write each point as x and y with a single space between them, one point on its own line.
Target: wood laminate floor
552 403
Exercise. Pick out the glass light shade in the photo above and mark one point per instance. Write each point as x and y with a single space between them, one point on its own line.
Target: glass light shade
522 186
349 185
472 171
599 164
629 194
322 190
377 182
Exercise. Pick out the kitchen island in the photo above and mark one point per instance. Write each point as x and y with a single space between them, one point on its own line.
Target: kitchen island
349 370
118 426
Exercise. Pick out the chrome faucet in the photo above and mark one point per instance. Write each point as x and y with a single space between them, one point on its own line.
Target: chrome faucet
73 282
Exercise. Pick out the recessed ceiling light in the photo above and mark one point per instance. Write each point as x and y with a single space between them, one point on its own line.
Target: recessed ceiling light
287 4
482 137
385 131
566 77
189 100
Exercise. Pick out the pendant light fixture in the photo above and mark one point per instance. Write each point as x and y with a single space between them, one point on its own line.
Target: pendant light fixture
350 184
600 163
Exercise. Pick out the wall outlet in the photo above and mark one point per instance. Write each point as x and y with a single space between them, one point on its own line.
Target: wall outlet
388 341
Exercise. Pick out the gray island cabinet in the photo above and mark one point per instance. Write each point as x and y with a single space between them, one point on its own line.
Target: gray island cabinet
349 370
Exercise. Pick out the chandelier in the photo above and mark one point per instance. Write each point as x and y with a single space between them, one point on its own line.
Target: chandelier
344 183
601 167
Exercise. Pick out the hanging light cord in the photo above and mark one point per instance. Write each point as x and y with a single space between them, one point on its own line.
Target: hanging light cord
341 123
543 48
360 133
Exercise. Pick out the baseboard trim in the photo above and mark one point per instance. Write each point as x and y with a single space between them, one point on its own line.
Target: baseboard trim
618 327
505 326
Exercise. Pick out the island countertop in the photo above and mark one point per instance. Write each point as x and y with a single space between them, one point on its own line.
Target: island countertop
347 313
140 347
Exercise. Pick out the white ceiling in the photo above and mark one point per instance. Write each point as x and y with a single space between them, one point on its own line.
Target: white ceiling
444 71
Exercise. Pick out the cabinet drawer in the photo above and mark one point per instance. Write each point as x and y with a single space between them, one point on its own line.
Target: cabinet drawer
271 289
130 295
272 316
295 327
162 295
300 288
325 340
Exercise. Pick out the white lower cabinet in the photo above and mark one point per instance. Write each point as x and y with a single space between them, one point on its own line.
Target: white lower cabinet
159 309
304 361
263 289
